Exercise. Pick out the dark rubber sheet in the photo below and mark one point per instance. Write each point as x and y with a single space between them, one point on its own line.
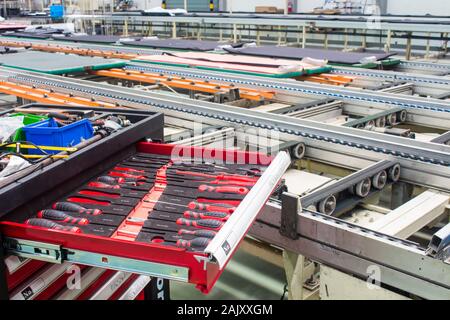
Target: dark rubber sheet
38 33
332 56
89 39
179 44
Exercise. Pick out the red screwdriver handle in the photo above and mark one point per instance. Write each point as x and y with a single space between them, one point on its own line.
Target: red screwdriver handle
222 216
198 233
217 207
128 169
126 175
44 223
194 243
234 183
223 189
102 185
237 178
218 176
99 194
209 224
72 207
61 216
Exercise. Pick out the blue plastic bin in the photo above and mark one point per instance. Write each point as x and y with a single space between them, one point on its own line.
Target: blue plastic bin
56 11
48 133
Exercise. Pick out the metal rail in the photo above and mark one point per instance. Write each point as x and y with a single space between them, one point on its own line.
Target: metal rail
345 94
340 185
394 146
443 138
392 75
183 83
419 26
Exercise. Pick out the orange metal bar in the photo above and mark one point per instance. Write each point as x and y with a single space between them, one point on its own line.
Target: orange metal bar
47 96
68 49
178 82
327 78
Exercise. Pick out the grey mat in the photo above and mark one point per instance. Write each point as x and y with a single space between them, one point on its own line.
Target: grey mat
38 33
332 56
179 44
87 38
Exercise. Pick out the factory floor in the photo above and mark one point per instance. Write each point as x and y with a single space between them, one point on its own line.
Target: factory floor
245 277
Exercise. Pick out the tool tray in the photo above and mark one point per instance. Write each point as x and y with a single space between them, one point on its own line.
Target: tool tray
138 229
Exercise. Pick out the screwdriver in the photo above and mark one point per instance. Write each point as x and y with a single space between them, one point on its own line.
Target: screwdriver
217 176
221 216
123 175
110 180
209 224
102 185
217 207
44 223
194 243
223 189
72 207
196 183
198 233
61 216
131 170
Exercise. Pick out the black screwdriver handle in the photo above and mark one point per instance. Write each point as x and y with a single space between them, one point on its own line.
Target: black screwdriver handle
203 224
198 233
72 207
194 243
110 180
61 216
44 223
206 215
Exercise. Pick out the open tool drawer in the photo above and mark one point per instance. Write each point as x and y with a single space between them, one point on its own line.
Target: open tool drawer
144 209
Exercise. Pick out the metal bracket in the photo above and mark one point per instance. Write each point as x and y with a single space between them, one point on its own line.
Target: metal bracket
57 254
389 117
439 246
34 250
443 138
296 149
290 206
3 284
325 197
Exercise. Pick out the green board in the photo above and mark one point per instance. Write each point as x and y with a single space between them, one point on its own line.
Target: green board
56 63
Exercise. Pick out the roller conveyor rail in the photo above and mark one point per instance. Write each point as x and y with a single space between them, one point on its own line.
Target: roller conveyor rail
361 181
299 127
346 94
183 83
353 248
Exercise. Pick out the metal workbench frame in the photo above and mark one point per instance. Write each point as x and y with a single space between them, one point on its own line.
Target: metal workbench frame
270 21
351 248
348 144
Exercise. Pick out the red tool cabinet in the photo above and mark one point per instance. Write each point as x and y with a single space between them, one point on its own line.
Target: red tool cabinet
24 278
133 261
200 268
